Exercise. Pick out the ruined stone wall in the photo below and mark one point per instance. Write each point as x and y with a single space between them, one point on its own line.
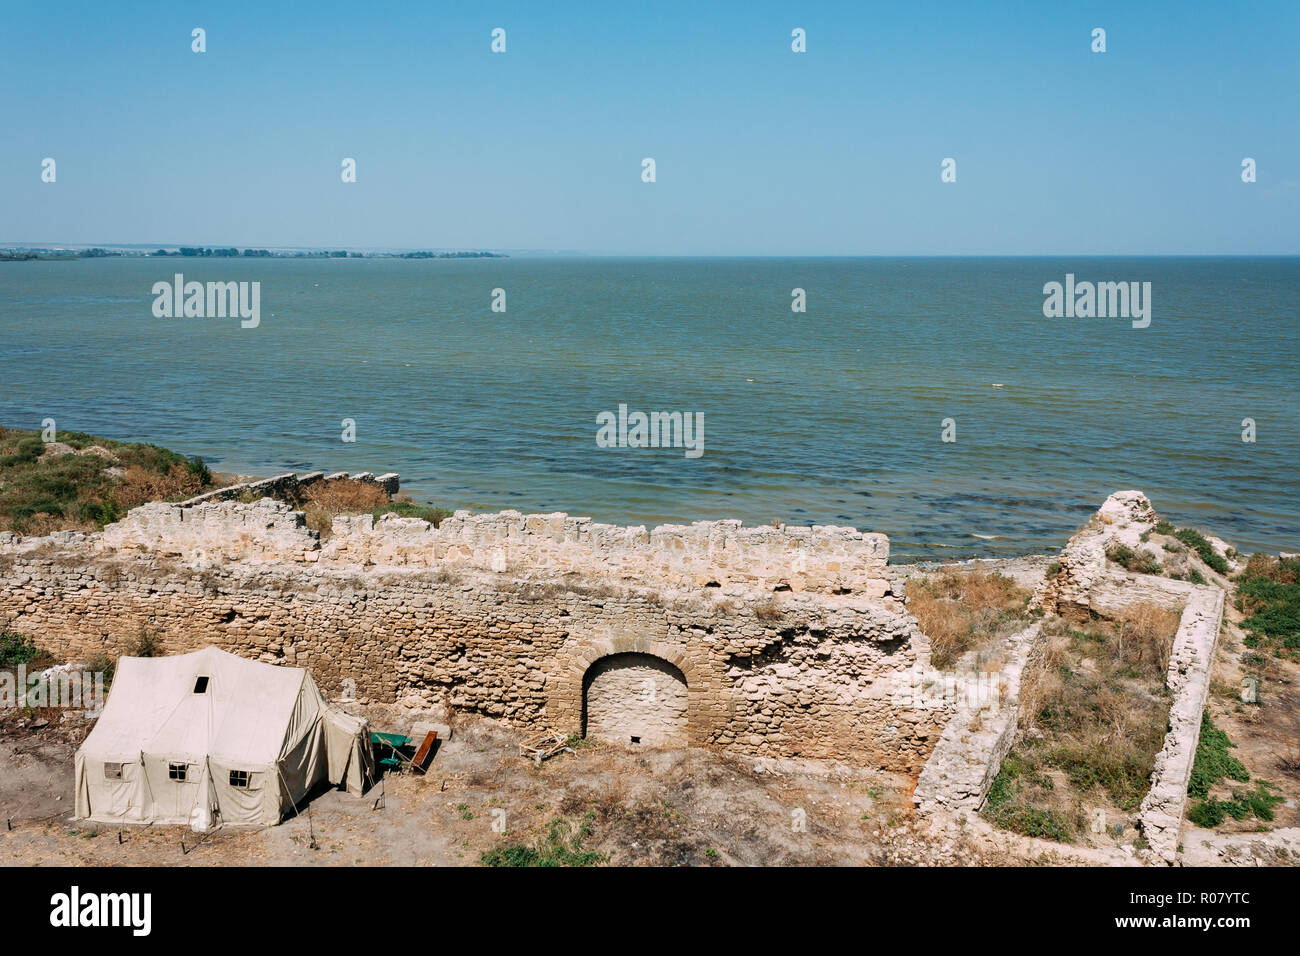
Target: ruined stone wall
812 674
290 487
721 553
1188 680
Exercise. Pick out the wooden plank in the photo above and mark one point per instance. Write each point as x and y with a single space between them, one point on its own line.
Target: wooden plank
423 755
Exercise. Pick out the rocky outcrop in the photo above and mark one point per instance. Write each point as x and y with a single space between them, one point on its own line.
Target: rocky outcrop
1082 568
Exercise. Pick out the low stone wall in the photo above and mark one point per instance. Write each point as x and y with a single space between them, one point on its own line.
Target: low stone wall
970 751
974 743
289 487
1188 678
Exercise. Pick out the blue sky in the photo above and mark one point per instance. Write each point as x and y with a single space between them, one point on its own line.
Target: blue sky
759 151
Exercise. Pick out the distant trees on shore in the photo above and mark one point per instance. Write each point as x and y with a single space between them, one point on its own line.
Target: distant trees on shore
203 252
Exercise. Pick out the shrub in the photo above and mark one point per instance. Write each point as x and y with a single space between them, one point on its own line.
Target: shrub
1140 562
1258 802
1146 637
146 644
26 452
102 663
16 649
140 485
1197 542
323 501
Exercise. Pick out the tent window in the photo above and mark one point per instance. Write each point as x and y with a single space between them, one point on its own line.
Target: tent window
178 771
201 685
112 771
239 778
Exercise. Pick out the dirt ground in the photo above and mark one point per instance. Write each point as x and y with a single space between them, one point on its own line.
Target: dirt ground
644 807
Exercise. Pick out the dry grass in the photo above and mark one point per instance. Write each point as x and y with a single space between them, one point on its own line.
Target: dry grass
140 485
1268 567
41 524
963 610
1145 637
325 500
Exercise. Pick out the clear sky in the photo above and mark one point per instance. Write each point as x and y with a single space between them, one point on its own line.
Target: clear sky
759 150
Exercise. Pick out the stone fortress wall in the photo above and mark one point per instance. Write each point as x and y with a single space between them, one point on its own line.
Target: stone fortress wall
789 641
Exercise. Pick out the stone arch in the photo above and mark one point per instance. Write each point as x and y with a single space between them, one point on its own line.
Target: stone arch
708 706
635 698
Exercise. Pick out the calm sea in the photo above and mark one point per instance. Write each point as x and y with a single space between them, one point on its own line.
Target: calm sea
830 416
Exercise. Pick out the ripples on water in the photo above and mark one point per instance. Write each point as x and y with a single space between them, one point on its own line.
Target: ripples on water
832 416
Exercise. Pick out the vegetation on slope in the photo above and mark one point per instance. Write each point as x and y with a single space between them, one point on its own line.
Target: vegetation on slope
1268 592
82 482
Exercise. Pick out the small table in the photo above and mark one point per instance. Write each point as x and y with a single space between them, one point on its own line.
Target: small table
394 742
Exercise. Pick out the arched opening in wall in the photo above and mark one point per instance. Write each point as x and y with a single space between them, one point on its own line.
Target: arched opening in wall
634 699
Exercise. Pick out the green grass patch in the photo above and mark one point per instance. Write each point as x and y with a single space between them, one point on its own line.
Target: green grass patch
16 649
1005 807
1258 803
409 509
1197 542
1212 762
562 846
1268 592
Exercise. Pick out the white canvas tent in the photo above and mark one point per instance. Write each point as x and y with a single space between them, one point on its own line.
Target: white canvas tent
209 737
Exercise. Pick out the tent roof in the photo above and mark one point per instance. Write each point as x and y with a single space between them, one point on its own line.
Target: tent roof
245 715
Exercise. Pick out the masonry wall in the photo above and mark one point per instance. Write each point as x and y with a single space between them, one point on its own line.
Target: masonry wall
708 553
809 674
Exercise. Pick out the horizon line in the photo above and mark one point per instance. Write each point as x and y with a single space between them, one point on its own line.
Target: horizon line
9 245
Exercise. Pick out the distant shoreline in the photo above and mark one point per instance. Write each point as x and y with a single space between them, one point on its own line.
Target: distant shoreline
44 254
